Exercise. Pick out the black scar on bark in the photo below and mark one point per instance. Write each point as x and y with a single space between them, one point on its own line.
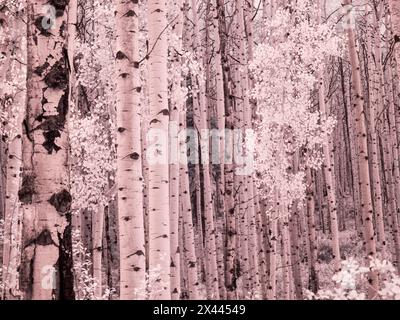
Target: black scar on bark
44 238
65 263
39 70
61 201
130 13
60 6
135 156
27 190
58 76
49 144
120 55
54 122
164 112
52 125
62 109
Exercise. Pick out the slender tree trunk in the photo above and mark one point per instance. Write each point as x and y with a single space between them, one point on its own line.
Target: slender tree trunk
176 110
273 240
312 259
329 168
190 260
159 244
376 99
16 113
366 209
394 6
129 164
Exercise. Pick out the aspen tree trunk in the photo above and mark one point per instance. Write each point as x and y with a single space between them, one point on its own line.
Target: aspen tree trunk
312 259
201 113
392 163
218 144
129 164
145 171
390 186
376 75
261 229
231 254
176 110
273 241
12 216
350 123
240 103
98 225
285 253
220 106
100 246
246 48
5 213
294 226
174 213
210 241
73 99
329 168
394 126
98 240
228 172
295 256
189 258
188 249
394 6
12 211
46 270
191 35
330 182
366 208
4 56
394 139
159 244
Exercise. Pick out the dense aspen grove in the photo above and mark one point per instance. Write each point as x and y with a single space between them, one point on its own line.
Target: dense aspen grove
199 149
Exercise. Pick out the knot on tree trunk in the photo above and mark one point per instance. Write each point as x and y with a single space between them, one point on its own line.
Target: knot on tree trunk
25 193
61 201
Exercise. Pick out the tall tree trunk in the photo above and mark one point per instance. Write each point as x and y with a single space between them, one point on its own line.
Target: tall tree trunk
366 208
46 270
159 247
13 134
312 259
176 109
129 159
394 6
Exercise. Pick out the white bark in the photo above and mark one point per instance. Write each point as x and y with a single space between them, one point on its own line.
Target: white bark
159 247
45 182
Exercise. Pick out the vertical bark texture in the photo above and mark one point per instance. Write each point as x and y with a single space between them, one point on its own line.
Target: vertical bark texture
129 159
159 248
46 261
366 207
